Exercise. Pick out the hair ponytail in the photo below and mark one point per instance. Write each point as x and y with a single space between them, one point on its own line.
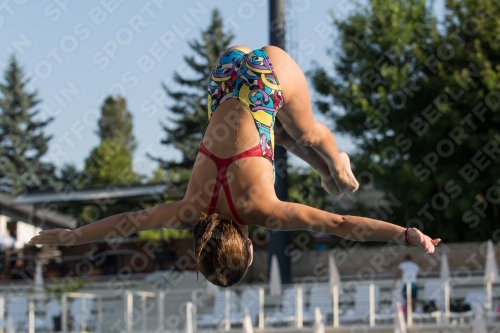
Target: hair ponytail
202 233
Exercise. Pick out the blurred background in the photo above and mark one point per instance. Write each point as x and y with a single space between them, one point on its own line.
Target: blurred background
103 105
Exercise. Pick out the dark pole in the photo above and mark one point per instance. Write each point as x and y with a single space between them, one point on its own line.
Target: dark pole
279 240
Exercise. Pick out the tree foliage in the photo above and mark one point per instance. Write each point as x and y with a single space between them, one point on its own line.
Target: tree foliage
116 122
70 177
110 163
189 109
421 101
174 176
23 143
161 234
305 187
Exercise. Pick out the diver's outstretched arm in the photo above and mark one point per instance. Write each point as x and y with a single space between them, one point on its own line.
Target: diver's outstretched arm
117 226
292 216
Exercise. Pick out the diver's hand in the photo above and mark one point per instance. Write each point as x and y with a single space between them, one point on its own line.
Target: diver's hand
54 237
416 237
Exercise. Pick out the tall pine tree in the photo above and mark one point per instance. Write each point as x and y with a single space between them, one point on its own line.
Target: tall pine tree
70 177
116 122
423 105
185 128
22 140
111 161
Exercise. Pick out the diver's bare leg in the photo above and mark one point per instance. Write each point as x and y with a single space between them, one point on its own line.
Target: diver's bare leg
297 119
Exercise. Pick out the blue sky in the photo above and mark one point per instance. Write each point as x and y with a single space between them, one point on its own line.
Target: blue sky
78 52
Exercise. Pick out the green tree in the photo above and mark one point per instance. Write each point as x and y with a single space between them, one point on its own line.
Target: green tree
173 176
110 163
163 233
69 175
166 176
422 105
116 122
305 187
189 109
23 143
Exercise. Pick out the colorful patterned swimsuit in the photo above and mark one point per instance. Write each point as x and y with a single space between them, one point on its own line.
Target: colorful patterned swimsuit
250 78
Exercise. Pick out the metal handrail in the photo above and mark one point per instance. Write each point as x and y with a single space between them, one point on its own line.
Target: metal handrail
82 297
129 305
160 296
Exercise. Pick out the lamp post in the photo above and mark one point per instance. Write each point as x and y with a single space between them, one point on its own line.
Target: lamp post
279 240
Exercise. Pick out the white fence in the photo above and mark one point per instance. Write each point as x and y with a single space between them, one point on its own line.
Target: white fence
360 304
146 311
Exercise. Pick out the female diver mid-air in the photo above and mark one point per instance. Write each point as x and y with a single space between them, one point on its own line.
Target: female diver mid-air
232 186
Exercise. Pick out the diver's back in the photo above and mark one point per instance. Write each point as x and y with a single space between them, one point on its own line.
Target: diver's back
230 132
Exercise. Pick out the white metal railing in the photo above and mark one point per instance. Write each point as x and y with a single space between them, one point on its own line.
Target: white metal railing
447 302
299 302
2 313
129 308
189 318
82 297
409 307
226 322
144 312
227 317
261 308
441 317
335 294
38 303
489 298
83 311
299 310
371 317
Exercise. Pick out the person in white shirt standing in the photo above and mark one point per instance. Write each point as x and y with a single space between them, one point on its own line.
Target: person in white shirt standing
408 271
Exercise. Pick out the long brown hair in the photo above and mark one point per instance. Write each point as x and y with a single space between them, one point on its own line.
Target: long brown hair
220 249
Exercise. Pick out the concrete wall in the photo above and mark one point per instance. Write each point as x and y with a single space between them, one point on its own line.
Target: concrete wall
368 263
